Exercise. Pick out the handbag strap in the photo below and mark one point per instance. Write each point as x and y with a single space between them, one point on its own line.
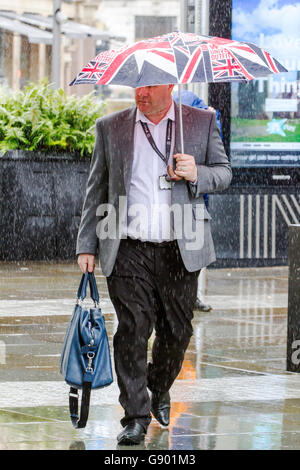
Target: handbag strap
80 422
93 288
88 278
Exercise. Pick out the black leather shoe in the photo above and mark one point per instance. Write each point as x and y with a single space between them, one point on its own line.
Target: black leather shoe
132 434
160 407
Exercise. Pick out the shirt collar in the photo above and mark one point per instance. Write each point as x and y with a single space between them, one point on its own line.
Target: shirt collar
170 115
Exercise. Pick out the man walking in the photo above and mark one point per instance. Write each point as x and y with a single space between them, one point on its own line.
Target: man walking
144 211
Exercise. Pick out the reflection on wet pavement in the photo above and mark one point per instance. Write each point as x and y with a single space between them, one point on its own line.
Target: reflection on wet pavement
233 391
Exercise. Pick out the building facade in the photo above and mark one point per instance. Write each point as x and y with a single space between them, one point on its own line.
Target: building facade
135 20
25 56
139 19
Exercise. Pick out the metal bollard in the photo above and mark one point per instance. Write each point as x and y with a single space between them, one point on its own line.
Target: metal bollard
293 327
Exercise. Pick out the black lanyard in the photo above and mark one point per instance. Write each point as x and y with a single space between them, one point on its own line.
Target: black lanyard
148 134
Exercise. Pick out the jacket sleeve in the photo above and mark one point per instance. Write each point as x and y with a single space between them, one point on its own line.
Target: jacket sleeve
96 194
216 174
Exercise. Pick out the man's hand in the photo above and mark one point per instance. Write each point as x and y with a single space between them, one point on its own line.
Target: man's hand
86 261
185 167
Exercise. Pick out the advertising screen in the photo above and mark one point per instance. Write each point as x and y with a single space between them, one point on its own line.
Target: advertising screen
265 113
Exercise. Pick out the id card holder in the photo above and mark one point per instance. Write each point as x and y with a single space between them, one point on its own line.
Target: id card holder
163 183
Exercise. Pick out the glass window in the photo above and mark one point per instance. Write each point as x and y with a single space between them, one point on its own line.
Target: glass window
150 26
265 113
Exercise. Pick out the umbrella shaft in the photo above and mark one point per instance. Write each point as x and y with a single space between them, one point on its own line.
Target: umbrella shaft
180 119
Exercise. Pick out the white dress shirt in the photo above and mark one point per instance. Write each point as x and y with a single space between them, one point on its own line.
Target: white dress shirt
148 210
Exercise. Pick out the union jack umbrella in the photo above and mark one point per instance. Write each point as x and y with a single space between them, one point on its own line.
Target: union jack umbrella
179 58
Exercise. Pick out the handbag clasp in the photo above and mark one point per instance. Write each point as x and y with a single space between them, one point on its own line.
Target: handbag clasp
90 356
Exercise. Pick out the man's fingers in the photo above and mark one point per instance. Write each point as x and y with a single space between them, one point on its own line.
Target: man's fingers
183 157
186 167
172 174
91 265
86 262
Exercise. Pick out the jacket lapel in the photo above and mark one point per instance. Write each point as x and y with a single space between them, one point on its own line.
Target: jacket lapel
177 186
125 144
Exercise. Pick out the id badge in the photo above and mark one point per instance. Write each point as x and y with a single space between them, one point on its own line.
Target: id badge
163 183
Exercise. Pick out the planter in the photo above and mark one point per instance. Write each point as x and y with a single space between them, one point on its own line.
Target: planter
41 200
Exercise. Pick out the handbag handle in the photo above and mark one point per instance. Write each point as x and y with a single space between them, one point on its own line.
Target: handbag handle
81 293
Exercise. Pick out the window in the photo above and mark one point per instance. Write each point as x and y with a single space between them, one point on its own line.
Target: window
150 26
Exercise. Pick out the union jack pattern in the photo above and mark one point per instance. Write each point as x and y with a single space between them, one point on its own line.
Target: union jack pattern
227 68
179 58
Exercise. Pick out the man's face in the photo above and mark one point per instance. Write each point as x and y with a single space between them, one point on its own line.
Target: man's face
153 100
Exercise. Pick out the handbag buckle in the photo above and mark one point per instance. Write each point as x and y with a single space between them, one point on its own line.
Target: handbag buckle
90 356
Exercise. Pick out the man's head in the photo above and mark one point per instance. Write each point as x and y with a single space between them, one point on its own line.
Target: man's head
154 101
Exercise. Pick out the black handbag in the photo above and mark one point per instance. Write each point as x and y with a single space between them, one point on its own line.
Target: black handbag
85 361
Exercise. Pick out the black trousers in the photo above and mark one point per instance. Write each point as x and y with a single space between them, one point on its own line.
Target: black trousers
150 288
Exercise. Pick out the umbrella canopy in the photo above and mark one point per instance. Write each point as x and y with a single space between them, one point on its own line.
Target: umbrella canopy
179 58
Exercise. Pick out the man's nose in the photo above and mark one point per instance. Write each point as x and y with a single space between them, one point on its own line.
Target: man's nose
143 91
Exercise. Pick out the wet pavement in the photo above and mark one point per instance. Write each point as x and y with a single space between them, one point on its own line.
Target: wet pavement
233 391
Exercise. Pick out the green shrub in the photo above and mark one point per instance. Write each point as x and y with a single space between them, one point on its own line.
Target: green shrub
42 119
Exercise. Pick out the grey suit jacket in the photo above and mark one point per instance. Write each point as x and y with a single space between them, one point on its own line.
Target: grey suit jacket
104 211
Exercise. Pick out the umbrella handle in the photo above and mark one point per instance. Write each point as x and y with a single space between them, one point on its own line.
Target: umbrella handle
180 119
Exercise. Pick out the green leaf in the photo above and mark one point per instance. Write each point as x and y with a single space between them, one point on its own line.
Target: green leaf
39 117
